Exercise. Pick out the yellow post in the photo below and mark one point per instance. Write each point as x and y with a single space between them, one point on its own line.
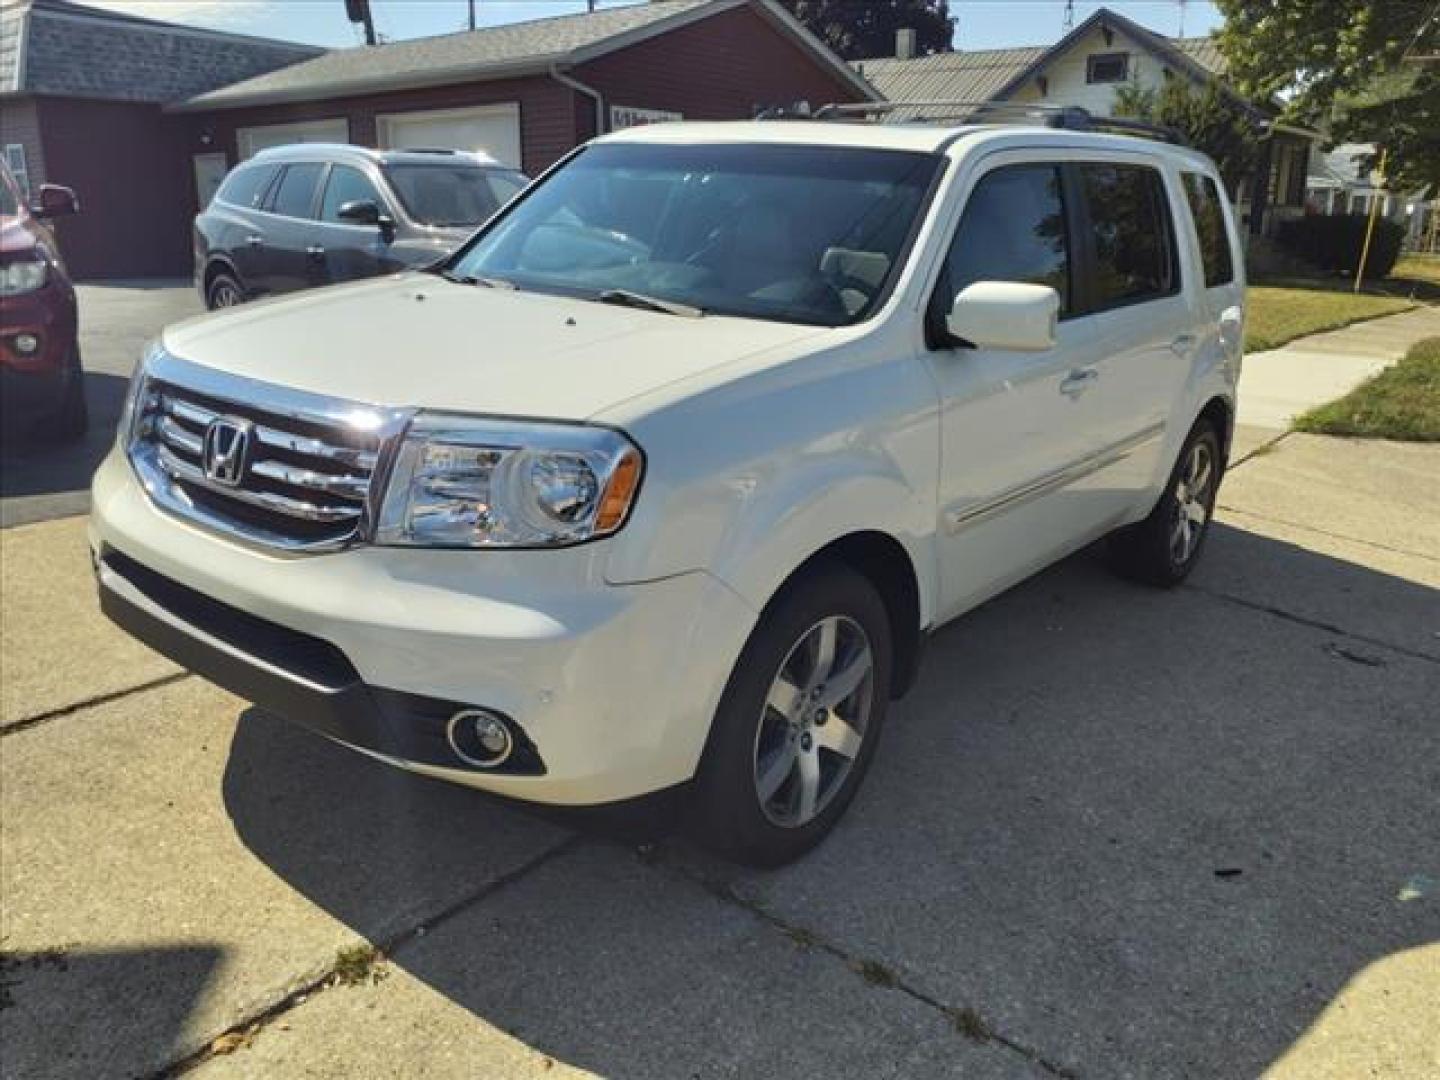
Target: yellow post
1370 225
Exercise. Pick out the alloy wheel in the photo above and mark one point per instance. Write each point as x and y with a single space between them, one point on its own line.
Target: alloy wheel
814 721
1192 498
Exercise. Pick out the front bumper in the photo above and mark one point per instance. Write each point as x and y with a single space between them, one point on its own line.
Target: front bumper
35 384
612 687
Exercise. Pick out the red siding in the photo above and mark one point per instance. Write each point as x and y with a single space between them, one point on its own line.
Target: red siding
720 68
547 114
129 165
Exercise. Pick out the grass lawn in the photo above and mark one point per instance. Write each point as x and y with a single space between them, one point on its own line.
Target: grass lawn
1280 314
1424 269
1402 402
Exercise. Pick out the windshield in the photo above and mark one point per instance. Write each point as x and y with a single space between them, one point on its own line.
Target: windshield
463 195
808 234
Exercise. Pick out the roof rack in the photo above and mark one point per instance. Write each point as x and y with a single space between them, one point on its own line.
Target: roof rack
1066 117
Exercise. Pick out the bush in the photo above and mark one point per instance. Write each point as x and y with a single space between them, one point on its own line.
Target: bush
1333 242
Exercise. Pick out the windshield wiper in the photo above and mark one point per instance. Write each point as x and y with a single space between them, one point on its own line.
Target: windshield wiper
626 298
473 279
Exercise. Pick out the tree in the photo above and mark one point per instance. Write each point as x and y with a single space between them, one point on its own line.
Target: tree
1211 121
863 29
1369 71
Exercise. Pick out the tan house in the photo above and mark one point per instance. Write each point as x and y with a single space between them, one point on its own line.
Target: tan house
1086 68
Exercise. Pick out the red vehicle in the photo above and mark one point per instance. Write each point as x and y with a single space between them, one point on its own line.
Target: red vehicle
42 387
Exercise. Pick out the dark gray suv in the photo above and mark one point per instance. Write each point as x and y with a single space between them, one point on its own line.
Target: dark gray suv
294 217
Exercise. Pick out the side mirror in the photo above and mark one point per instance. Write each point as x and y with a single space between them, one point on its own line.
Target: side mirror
1005 315
55 201
361 212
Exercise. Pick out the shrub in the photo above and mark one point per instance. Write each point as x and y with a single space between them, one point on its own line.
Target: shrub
1333 242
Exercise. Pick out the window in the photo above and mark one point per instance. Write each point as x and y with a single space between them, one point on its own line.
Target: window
246 185
295 194
1132 234
1107 67
1013 229
1209 218
506 185
347 185
804 234
15 159
462 195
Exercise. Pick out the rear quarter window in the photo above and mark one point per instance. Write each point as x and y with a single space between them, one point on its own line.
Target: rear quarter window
1203 195
1132 234
246 185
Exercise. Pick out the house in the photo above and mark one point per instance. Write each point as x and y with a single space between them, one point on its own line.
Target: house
1086 68
1339 182
526 93
81 103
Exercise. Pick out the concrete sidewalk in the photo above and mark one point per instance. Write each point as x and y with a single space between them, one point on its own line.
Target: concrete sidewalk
1280 384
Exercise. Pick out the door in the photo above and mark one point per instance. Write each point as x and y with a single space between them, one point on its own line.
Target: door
251 140
489 129
345 250
287 259
1016 427
210 170
1144 316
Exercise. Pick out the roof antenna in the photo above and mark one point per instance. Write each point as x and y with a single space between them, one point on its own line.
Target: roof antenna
1069 16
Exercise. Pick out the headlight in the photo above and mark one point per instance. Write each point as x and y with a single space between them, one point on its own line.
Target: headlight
23 276
124 428
466 482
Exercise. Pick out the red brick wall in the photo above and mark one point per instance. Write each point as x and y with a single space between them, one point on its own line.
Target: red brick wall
547 114
719 68
130 167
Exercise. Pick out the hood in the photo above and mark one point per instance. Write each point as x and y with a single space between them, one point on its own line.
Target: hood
418 340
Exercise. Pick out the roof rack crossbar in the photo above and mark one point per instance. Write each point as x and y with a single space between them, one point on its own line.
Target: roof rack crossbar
1068 117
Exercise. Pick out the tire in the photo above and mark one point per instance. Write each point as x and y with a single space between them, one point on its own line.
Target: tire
224 291
1164 548
773 782
71 418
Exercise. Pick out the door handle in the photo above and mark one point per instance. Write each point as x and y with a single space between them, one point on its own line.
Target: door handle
255 239
1182 344
1078 381
315 251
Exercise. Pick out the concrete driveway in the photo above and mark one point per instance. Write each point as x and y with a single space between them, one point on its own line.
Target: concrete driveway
1112 833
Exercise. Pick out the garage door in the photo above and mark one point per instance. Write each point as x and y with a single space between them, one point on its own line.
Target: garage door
494 129
251 140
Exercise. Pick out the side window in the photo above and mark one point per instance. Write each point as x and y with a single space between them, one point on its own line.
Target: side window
295 194
505 185
246 185
1132 234
1209 217
1012 229
346 185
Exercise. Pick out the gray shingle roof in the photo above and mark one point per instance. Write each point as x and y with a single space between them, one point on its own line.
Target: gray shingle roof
66 49
517 48
954 76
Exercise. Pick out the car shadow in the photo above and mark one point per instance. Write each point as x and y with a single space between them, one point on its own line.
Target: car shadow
41 479
1144 833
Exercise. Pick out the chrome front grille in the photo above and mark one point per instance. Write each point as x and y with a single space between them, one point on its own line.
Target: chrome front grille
273 467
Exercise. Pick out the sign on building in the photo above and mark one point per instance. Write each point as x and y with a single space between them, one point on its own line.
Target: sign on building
626 116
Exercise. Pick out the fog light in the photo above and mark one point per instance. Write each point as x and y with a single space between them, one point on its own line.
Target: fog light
479 737
26 344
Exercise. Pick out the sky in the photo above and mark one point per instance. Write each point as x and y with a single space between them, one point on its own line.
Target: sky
981 24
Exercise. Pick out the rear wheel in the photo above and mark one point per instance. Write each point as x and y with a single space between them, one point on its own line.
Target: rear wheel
223 292
798 725
1164 548
71 418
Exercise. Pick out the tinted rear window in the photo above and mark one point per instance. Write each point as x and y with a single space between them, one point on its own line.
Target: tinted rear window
445 194
1204 198
246 185
1132 234
296 193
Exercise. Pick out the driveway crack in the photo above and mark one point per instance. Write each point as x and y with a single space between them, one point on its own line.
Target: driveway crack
28 722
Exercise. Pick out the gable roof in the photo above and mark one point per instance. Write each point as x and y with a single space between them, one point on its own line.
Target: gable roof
51 47
953 76
523 48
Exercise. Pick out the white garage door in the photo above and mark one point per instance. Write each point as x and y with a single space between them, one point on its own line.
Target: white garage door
494 129
252 140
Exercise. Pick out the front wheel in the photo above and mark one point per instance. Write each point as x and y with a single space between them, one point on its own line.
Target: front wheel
1164 548
799 721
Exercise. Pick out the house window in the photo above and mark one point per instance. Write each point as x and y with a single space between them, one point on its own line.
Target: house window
15 159
1107 67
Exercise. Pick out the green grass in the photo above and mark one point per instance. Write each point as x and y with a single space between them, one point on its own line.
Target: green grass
1276 314
1417 270
1402 402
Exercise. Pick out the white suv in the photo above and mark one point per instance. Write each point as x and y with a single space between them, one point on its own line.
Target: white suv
664 477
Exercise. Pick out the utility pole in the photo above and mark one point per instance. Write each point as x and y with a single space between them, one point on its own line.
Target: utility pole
359 12
472 14
1069 23
1181 32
